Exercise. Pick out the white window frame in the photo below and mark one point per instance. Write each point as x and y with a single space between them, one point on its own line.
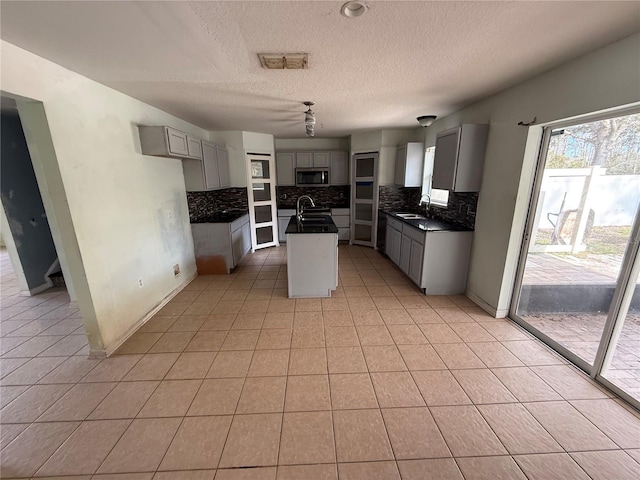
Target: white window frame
437 197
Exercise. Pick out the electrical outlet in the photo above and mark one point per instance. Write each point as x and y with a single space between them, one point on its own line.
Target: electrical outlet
140 283
176 270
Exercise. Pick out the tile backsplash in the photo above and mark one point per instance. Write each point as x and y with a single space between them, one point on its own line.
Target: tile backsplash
207 204
461 208
332 197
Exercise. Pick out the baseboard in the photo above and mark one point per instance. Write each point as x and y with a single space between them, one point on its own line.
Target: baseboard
486 307
118 343
36 290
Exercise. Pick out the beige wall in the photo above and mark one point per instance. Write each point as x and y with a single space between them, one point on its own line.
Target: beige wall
604 79
118 215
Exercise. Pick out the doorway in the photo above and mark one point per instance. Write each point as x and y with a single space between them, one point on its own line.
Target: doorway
262 201
577 283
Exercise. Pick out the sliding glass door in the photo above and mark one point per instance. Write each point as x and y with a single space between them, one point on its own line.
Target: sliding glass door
580 244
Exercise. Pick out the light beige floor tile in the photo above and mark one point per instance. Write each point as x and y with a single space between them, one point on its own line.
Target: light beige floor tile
307 393
341 337
569 383
504 330
369 471
32 403
197 444
191 365
450 314
553 466
374 335
414 302
85 449
367 317
308 337
260 473
421 357
9 394
355 291
153 366
241 340
172 398
569 428
252 441
10 431
607 465
124 401
396 389
230 364
345 360
383 358
139 342
334 304
407 335
308 361
433 469
439 333
32 371
361 436
217 397
269 363
249 321
256 306
69 345
112 369
380 290
142 447
307 438
307 472
219 321
466 432
206 341
229 306
532 353
278 320
77 403
173 308
189 323
424 315
439 387
275 338
8 365
634 453
33 346
482 386
308 319
278 305
618 423
352 391
30 449
262 395
490 468
361 302
186 475
525 385
414 434
494 354
398 316
308 305
472 332
458 356
518 431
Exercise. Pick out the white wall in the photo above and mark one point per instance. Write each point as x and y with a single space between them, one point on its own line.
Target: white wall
312 143
604 79
119 215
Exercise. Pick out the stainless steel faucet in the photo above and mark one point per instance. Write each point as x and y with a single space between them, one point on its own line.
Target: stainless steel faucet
428 203
299 209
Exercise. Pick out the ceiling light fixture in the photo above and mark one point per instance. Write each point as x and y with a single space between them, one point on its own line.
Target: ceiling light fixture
284 61
426 120
309 119
354 9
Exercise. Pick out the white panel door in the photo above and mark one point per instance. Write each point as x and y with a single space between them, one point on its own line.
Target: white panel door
364 199
263 213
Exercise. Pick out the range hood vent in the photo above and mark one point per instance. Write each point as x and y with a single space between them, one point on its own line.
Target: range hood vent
284 61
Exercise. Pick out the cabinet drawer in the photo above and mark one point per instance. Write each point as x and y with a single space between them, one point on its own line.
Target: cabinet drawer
394 223
341 221
341 211
414 233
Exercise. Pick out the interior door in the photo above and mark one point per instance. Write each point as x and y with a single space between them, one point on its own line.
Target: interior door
262 200
364 199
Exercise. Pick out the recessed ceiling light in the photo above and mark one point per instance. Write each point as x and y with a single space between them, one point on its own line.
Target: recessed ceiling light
354 9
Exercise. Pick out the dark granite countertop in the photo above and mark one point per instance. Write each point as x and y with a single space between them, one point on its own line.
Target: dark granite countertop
224 216
429 224
282 205
295 227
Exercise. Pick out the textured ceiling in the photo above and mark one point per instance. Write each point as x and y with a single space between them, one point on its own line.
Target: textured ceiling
198 60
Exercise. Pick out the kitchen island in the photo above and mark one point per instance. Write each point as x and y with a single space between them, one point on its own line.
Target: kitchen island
312 257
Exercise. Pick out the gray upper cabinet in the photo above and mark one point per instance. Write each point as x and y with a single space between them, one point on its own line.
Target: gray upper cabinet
168 142
320 159
339 173
459 158
211 173
285 168
409 164
304 159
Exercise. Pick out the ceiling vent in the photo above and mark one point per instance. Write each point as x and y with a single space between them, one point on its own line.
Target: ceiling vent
282 61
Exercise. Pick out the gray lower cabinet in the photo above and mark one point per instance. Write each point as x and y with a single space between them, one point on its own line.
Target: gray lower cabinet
220 247
284 215
436 261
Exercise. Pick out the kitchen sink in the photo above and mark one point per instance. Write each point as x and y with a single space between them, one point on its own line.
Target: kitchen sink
411 216
316 220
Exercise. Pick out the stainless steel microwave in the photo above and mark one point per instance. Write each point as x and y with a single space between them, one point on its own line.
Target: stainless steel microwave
306 177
